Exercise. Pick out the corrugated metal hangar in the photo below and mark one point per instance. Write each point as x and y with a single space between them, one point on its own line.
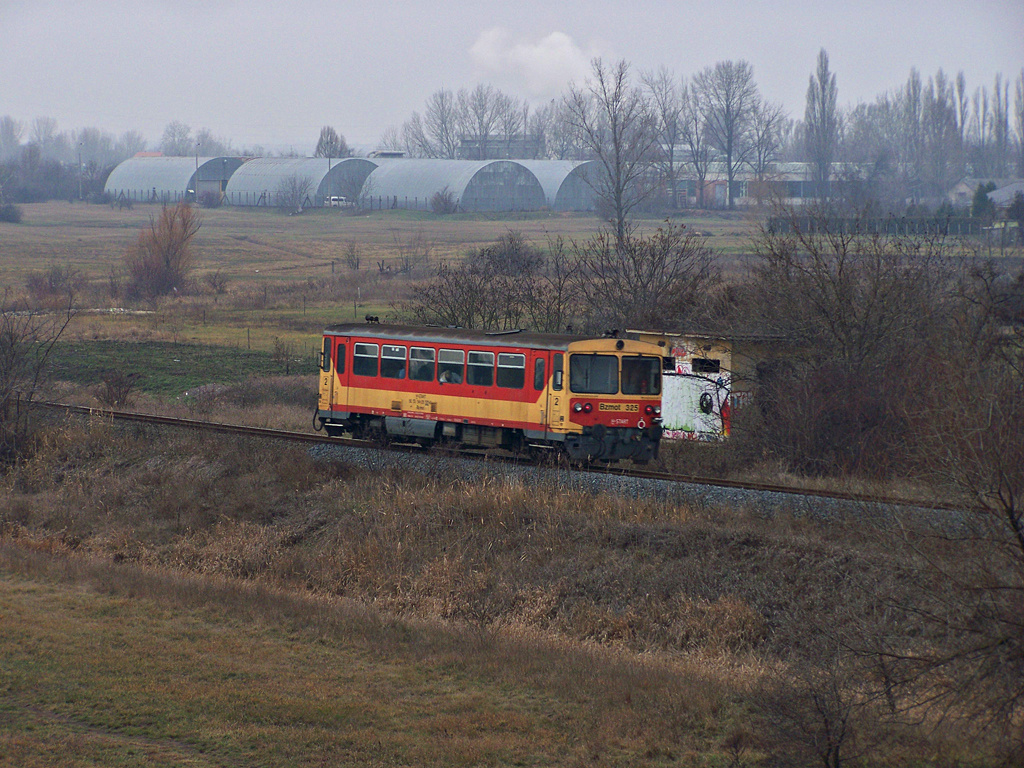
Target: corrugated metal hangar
474 185
169 179
487 185
260 181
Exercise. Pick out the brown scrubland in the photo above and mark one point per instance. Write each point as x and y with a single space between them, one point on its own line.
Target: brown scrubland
176 598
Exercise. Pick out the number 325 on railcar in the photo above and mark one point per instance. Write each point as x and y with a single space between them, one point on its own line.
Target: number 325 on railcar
591 398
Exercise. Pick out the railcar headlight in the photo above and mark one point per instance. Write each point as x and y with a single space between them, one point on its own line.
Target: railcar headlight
588 408
577 407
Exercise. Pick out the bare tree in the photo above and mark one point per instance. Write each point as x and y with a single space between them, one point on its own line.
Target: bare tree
331 144
43 133
695 140
765 142
616 124
177 139
511 119
538 122
391 139
821 123
943 158
131 143
651 281
728 96
210 145
1000 125
665 93
1018 119
437 135
561 138
162 259
293 192
477 117
11 131
962 106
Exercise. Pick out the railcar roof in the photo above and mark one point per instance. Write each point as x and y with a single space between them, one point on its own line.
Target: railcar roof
441 335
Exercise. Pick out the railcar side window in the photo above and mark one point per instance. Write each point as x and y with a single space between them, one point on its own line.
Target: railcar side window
339 364
364 360
706 365
480 371
594 374
641 376
392 362
325 355
556 372
450 363
511 370
538 374
421 364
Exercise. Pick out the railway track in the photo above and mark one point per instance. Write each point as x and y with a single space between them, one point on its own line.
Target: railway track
612 471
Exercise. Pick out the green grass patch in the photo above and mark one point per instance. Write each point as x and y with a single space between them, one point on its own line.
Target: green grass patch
163 368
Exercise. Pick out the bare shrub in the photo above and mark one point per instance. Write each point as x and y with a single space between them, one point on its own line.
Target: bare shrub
413 251
162 259
117 387
292 193
509 284
217 282
812 712
210 199
352 257
27 339
443 203
858 314
10 213
55 284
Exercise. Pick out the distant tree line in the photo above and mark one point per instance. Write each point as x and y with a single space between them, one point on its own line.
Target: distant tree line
913 143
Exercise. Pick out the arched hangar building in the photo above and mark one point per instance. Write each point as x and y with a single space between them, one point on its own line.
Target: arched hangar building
487 185
261 181
169 179
564 182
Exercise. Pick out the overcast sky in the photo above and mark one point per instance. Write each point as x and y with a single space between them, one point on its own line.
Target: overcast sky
272 73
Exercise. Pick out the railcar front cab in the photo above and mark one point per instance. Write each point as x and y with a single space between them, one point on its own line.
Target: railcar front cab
612 404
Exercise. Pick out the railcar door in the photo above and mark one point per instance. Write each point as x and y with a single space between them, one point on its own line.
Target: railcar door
326 388
341 372
538 396
554 420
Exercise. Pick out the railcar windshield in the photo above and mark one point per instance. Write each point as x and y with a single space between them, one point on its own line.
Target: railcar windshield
641 375
594 374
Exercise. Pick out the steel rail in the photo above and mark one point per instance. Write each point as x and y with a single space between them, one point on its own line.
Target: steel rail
302 437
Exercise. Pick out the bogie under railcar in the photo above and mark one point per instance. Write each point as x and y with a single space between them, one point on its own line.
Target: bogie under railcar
592 399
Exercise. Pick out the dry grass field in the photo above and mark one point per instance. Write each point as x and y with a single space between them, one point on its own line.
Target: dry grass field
206 601
265 282
195 600
250 244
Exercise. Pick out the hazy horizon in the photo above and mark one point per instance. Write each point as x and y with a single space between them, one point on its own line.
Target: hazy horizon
255 74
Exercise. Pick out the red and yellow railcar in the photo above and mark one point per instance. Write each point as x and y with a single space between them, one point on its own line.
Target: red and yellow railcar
593 398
